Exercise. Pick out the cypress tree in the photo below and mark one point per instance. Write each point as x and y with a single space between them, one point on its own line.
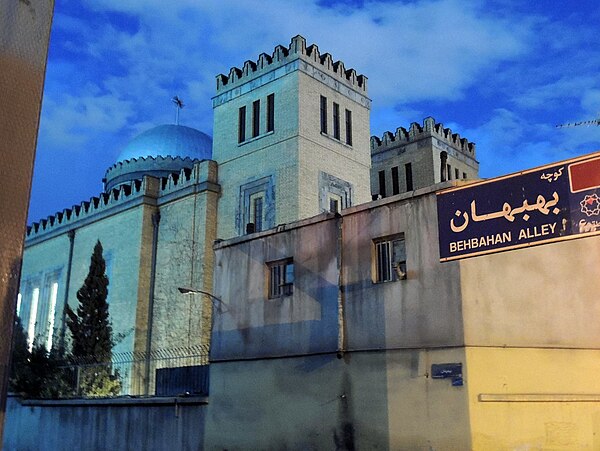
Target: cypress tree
91 332
90 328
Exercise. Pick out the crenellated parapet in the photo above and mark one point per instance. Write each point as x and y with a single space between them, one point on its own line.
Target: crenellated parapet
283 55
146 186
417 132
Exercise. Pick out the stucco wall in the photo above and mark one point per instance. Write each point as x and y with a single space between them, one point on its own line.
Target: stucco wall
528 398
251 325
542 296
422 311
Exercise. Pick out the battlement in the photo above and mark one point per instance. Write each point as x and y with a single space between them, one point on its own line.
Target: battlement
282 55
416 132
146 186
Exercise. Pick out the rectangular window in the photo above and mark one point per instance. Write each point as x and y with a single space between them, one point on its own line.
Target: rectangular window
349 127
35 297
409 179
281 278
449 170
382 183
390 260
456 174
336 121
464 175
395 183
335 203
270 112
242 125
255 118
51 315
323 114
256 215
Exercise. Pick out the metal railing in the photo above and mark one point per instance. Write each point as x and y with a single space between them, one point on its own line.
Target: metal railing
175 371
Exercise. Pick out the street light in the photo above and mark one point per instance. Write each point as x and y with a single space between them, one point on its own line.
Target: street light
188 290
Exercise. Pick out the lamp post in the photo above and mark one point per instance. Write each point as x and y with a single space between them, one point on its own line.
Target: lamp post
213 298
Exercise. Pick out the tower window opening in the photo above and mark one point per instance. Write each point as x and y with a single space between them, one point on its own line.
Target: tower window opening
242 125
270 112
382 192
323 114
336 121
409 176
255 118
395 182
349 127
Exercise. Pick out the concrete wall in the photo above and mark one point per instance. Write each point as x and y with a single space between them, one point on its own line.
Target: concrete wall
374 400
250 325
104 426
422 311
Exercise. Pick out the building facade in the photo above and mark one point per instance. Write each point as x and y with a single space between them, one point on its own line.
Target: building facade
313 263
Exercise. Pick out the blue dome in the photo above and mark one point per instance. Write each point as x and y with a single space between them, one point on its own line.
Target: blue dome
169 140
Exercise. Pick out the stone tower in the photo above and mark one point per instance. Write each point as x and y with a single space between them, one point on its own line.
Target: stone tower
291 137
418 157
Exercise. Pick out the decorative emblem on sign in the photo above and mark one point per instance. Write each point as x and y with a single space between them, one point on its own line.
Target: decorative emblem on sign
590 205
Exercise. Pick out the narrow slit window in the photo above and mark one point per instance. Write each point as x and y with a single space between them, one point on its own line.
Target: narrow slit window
449 171
255 118
257 213
336 121
242 125
323 114
456 173
409 177
270 112
349 127
395 182
382 192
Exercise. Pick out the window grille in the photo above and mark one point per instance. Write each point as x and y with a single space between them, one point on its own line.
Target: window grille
390 260
281 278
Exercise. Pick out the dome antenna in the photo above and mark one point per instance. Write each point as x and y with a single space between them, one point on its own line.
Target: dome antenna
178 106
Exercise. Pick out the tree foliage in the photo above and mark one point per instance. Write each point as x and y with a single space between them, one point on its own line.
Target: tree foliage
37 373
91 332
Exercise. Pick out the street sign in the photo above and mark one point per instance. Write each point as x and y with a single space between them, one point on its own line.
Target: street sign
554 202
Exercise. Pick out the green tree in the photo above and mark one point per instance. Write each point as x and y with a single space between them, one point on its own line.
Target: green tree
36 373
91 332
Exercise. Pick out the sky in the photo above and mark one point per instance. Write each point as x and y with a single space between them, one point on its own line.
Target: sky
501 73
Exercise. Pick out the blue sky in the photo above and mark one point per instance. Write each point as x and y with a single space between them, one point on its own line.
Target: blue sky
501 73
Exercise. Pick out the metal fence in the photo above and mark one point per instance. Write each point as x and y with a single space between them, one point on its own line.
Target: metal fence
162 372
